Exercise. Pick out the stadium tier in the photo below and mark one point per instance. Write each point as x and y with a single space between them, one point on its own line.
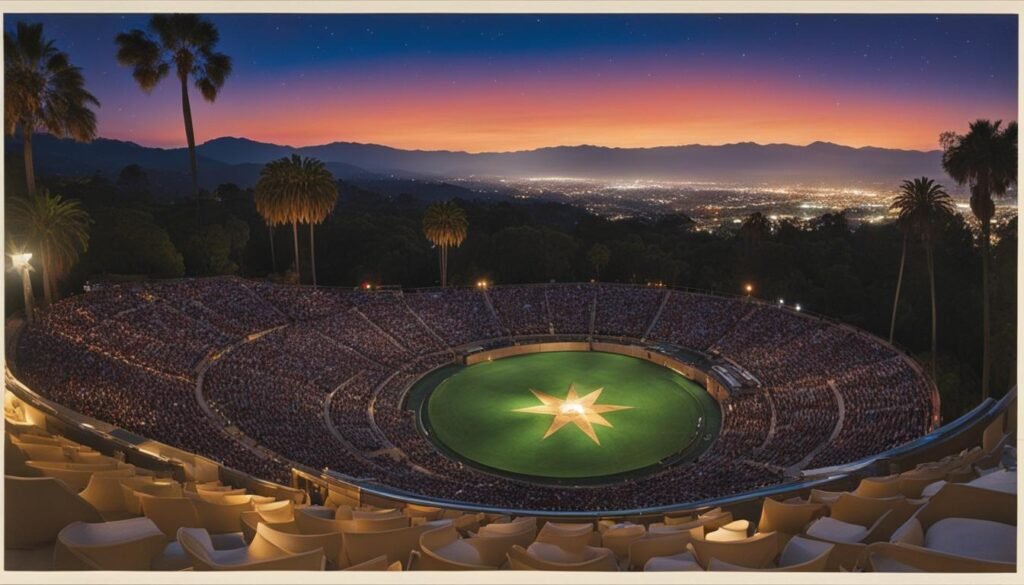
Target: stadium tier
199 400
321 378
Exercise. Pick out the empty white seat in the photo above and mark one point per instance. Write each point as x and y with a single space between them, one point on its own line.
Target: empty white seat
683 561
37 508
122 545
260 555
541 556
836 530
971 537
1001 480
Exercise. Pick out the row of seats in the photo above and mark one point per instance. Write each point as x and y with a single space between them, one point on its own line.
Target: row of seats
955 514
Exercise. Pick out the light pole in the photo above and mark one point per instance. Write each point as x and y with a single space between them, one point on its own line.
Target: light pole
21 264
748 288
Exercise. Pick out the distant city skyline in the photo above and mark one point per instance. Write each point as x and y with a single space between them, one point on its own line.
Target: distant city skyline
514 82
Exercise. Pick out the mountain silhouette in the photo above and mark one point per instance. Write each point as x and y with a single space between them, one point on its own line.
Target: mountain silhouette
238 160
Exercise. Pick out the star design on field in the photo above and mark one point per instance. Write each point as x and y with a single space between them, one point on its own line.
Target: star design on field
576 409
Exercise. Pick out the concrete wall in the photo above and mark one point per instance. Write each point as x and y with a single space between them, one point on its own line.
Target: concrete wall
514 350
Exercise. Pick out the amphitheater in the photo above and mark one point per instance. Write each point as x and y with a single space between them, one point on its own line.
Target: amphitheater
298 399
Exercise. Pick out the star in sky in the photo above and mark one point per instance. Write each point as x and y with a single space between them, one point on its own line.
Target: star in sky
575 409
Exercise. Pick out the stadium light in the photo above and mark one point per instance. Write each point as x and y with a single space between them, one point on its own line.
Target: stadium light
22 265
782 302
798 307
20 261
748 288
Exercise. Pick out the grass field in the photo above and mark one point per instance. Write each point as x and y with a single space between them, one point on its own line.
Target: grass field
471 413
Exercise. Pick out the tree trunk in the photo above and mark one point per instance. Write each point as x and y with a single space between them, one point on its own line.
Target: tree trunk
986 321
273 257
931 285
295 238
440 263
899 284
312 253
47 282
26 286
445 284
30 169
186 110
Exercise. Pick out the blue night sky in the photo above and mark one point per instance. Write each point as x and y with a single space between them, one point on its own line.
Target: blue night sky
505 82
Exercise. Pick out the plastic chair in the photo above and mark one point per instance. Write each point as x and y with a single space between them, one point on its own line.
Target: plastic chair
170 514
330 543
122 545
569 536
541 556
219 518
966 522
261 555
661 545
443 550
756 552
37 508
801 555
618 538
316 520
787 519
105 494
396 544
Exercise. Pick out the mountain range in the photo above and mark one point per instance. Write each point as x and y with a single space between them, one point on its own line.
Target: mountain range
238 160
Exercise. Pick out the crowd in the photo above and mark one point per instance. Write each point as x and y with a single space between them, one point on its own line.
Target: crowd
459 316
571 307
696 321
523 310
296 369
626 311
875 419
805 417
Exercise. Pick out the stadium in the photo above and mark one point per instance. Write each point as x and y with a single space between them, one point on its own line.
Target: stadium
581 410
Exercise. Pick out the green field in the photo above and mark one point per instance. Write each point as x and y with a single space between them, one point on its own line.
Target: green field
470 413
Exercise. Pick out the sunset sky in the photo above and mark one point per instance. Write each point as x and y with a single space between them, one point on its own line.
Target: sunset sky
512 82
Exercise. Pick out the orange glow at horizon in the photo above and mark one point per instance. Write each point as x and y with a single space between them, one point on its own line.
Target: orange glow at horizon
513 116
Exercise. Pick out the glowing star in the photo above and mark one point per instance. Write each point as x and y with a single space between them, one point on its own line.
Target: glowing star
574 409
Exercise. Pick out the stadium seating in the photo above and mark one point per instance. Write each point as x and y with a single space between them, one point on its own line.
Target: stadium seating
96 511
261 554
542 556
122 545
443 550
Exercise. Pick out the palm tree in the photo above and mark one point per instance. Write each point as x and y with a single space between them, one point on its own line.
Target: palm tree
985 159
899 279
921 205
445 225
296 190
58 228
43 91
184 42
320 193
